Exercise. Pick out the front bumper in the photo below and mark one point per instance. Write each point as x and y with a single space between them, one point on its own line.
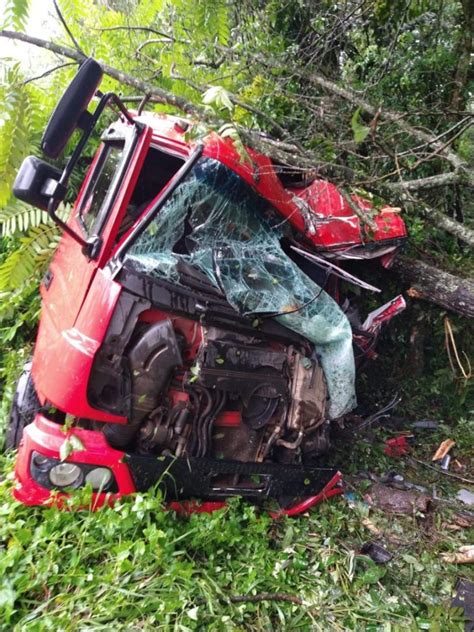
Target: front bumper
46 438
178 478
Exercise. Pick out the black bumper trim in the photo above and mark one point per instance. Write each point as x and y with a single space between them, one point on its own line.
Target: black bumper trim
184 478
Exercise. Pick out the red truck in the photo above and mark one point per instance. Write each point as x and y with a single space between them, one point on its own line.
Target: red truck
196 332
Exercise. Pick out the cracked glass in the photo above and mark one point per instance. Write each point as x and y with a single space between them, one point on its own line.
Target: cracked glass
215 222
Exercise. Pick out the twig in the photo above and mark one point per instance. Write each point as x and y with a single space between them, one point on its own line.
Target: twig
48 72
145 29
451 344
266 597
67 29
361 214
444 472
257 598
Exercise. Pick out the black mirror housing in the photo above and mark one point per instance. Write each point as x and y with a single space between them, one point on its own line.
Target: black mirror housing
36 182
71 111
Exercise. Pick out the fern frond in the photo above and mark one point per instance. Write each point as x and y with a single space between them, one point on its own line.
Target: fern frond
30 259
18 217
14 130
15 14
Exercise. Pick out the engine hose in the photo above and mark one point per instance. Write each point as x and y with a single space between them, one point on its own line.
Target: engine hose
273 437
193 436
292 445
217 411
198 428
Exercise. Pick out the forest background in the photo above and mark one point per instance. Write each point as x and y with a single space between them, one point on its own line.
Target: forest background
374 95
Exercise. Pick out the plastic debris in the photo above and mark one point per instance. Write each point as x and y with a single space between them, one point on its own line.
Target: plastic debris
396 447
396 480
443 449
464 598
397 500
465 496
445 462
376 552
464 555
425 424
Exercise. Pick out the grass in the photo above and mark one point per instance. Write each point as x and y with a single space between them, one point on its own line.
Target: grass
137 567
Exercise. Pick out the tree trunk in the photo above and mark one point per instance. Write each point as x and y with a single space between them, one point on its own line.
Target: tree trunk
436 286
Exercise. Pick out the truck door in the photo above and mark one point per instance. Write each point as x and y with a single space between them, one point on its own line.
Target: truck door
99 206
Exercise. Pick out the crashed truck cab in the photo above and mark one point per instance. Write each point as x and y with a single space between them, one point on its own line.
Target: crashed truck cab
193 331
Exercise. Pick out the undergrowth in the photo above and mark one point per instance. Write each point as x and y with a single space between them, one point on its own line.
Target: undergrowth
138 567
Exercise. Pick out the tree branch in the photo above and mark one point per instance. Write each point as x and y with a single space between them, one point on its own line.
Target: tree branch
48 72
163 95
436 286
277 150
388 115
430 182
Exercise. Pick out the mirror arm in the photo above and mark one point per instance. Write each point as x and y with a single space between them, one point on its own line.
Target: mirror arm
52 208
90 246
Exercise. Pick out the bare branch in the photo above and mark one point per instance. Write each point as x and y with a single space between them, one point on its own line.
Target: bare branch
48 72
66 28
430 182
163 95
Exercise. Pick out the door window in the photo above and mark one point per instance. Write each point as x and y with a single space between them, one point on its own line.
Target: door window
101 185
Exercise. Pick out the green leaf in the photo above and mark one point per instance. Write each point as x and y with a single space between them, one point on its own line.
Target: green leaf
219 97
372 575
77 445
359 130
65 450
70 444
193 613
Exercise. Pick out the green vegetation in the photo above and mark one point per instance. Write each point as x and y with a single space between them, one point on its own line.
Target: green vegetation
245 67
137 567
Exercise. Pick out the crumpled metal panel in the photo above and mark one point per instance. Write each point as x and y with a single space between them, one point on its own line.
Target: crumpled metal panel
333 224
216 222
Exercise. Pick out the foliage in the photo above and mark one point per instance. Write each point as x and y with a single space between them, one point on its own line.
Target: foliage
135 566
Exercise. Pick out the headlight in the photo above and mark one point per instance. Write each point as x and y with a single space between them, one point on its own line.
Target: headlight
99 478
65 475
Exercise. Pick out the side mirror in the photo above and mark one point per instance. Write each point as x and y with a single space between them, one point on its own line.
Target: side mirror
71 111
37 182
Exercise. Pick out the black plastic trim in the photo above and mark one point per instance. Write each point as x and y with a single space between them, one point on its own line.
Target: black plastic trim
192 477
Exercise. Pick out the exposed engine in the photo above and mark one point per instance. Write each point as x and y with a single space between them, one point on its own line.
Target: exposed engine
236 399
204 391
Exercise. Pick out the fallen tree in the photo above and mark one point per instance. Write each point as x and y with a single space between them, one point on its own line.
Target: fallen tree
436 286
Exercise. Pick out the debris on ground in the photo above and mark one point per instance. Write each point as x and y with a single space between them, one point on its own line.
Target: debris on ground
425 424
368 524
376 552
397 446
465 496
464 520
443 449
464 555
398 481
464 598
446 460
397 500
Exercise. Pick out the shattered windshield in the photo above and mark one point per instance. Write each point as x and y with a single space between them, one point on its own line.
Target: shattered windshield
215 222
